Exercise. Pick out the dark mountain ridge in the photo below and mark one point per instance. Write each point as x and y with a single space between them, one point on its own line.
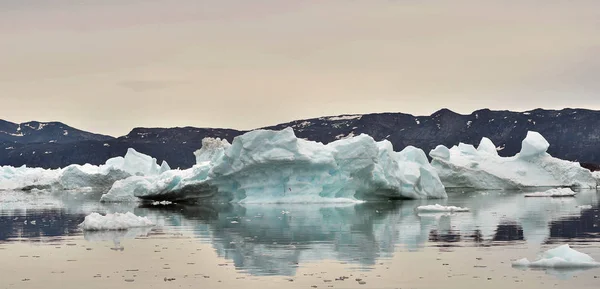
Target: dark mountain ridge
574 134
37 132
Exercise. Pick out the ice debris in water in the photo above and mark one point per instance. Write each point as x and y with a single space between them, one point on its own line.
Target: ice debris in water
559 257
463 166
162 203
265 166
437 208
553 193
116 221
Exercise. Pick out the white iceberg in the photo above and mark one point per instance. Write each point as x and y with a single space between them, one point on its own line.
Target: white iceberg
553 193
437 208
12 178
81 176
162 203
559 257
266 166
116 221
463 166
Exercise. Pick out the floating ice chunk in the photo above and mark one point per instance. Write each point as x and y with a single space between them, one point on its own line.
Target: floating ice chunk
464 167
534 144
162 203
116 221
264 166
81 176
554 193
560 257
437 208
25 178
585 207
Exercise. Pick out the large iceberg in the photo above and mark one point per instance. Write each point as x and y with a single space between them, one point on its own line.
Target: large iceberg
464 166
81 176
265 166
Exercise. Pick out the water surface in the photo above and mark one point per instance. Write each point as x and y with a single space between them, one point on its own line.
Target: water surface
385 244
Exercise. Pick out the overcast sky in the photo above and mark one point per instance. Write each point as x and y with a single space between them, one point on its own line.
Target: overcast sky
111 65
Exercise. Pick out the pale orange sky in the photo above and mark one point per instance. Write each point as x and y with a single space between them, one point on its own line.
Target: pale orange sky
110 65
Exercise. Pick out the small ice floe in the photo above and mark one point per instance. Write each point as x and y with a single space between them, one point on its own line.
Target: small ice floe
585 207
162 203
116 221
440 209
561 257
554 193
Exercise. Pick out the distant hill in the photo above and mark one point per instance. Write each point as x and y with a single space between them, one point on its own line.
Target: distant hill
574 134
41 132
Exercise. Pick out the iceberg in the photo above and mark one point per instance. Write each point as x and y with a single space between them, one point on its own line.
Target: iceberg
81 176
25 178
560 257
265 166
553 193
437 208
116 221
464 166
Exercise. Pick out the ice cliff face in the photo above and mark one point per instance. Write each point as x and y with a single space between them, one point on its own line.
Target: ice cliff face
463 166
266 166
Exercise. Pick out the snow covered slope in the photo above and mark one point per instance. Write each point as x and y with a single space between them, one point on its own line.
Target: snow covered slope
463 166
266 166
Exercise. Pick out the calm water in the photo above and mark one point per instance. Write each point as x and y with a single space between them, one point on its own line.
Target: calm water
262 242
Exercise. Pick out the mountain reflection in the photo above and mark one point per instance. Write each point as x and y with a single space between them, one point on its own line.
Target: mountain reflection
38 224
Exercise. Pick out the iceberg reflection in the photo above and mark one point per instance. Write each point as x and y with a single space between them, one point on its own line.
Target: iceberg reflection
273 239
